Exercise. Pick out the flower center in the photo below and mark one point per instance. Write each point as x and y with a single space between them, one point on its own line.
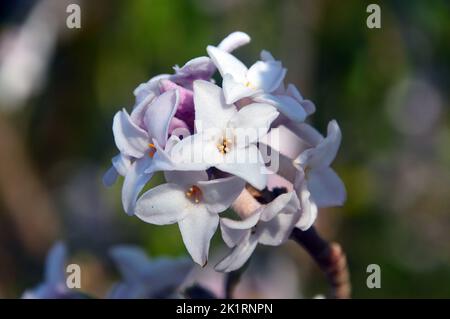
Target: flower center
224 145
152 150
249 85
194 193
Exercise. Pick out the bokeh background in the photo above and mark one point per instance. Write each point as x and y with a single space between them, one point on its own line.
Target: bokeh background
388 89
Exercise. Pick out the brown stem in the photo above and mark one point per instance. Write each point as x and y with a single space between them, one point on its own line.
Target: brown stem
329 256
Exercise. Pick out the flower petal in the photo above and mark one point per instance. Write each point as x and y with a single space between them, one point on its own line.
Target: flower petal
162 205
285 203
309 208
239 255
159 114
276 231
144 277
285 142
138 113
324 153
211 111
266 56
232 236
130 139
326 188
121 163
307 105
285 104
244 224
162 160
253 122
131 261
195 152
280 217
133 183
195 69
148 88
185 108
55 265
219 194
234 230
197 229
176 125
235 91
247 163
110 177
294 92
185 178
306 132
164 276
234 41
266 75
228 64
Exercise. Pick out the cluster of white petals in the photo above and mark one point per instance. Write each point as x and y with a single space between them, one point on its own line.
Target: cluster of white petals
211 142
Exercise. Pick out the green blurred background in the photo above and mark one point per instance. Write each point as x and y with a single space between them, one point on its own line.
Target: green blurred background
387 88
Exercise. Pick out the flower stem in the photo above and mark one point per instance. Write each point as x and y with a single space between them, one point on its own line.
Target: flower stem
330 258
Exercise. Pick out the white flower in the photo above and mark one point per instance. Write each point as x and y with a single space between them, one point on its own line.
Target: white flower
262 82
269 225
314 170
316 183
136 137
225 137
193 202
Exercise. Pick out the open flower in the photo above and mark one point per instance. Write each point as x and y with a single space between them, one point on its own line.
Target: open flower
325 187
261 82
288 100
136 136
239 81
304 160
143 277
192 201
225 137
269 225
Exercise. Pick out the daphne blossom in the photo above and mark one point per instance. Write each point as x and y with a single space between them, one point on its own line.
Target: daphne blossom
226 137
269 225
260 82
192 201
207 140
136 139
314 170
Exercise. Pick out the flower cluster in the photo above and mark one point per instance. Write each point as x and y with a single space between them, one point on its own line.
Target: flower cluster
209 141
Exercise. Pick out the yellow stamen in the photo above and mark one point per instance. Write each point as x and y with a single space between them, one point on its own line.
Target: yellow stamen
249 85
224 146
152 151
194 193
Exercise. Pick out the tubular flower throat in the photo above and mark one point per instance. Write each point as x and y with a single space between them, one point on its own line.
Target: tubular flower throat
194 193
225 145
